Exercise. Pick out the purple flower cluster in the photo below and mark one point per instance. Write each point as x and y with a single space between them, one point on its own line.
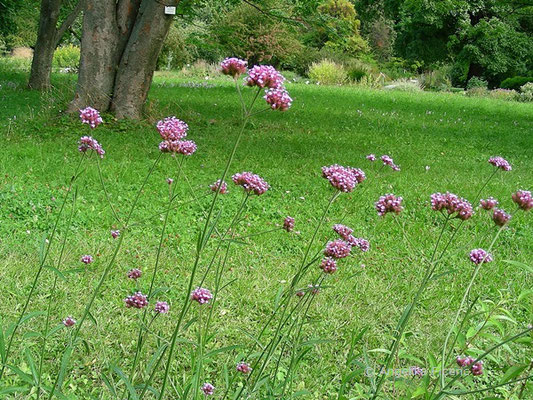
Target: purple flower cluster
87 259
89 143
251 182
337 249
328 265
500 217
501 163
288 224
162 307
91 117
244 368
115 234
343 231
265 76
201 295
223 187
343 178
476 369
488 204
185 147
172 128
453 204
134 274
523 199
136 300
389 203
208 389
233 66
361 243
278 99
69 321
371 157
387 160
478 256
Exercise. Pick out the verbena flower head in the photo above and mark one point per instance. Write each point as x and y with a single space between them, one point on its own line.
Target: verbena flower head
251 183
162 307
69 321
201 295
342 230
453 204
488 204
300 293
361 243
91 117
343 178
288 224
136 300
387 160
314 289
523 199
223 187
172 128
337 249
478 256
501 163
208 389
134 273
389 203
233 66
89 143
500 217
185 147
328 265
464 362
477 368
265 76
87 259
244 368
417 371
371 157
278 99
115 234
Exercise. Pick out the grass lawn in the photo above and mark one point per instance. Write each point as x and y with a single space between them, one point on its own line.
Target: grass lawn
441 141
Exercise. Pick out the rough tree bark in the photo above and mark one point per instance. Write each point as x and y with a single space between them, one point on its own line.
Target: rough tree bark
120 45
48 38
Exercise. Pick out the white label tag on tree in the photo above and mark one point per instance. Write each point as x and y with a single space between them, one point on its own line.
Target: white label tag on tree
170 10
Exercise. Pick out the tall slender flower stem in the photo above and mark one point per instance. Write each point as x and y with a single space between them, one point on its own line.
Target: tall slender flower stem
202 242
41 267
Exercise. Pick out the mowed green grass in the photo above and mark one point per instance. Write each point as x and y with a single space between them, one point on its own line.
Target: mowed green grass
441 141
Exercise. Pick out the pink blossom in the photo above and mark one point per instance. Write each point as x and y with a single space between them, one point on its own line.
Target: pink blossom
478 256
170 181
288 224
69 321
343 178
488 204
88 143
501 163
328 265
244 368
278 99
343 231
389 203
172 128
91 117
453 204
223 187
361 243
251 183
233 66
387 160
371 157
162 307
208 389
134 274
136 300
464 362
500 217
185 147
115 234
337 249
523 199
264 76
477 368
87 259
201 295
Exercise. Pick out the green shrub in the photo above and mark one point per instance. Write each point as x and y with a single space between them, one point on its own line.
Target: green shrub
173 53
526 92
477 91
503 94
200 69
515 82
476 82
437 79
327 72
67 57
357 69
404 85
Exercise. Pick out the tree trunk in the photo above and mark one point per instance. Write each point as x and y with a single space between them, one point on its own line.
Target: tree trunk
48 38
41 65
138 63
